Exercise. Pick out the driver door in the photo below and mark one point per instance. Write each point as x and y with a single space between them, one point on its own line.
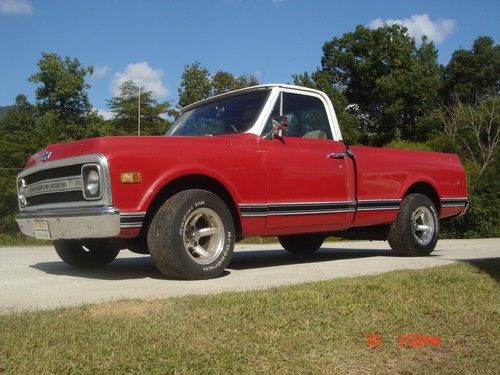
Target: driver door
307 181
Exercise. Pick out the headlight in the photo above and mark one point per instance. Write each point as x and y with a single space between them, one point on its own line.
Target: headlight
21 185
91 182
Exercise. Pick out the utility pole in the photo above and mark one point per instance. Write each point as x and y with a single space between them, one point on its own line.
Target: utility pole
139 113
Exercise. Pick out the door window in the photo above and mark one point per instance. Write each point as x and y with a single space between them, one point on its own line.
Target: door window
306 115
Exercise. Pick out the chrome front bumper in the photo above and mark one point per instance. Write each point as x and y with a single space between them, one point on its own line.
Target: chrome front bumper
73 223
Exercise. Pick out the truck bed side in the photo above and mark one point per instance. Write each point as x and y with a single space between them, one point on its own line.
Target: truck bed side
385 176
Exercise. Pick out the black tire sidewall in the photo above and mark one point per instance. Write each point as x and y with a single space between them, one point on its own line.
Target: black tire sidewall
403 241
179 261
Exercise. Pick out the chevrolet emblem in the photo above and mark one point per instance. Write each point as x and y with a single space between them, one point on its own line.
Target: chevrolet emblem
45 155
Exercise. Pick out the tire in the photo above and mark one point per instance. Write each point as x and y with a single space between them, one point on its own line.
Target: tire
303 244
86 253
192 236
416 229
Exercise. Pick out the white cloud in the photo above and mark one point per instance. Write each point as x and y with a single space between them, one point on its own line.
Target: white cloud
107 115
421 24
15 7
100 71
142 74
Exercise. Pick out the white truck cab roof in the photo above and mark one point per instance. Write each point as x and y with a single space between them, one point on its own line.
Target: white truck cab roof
276 89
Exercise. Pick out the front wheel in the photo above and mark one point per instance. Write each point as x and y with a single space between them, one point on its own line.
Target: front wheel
91 252
192 236
416 229
302 244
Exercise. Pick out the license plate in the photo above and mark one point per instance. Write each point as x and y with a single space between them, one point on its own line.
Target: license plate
42 231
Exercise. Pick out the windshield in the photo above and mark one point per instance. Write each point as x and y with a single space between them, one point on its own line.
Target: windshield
234 114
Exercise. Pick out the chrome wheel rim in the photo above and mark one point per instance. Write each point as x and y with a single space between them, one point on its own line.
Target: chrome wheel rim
203 235
423 225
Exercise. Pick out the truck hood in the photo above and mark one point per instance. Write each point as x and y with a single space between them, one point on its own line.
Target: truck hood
126 145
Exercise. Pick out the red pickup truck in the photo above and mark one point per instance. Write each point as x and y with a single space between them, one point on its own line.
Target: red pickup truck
267 160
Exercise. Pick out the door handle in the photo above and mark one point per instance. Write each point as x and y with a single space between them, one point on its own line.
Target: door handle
337 155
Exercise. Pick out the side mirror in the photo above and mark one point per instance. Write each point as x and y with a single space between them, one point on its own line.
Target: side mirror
279 123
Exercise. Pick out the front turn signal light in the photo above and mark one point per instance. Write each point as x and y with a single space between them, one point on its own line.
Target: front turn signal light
131 177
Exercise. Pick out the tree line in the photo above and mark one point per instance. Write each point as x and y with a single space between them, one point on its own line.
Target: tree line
387 88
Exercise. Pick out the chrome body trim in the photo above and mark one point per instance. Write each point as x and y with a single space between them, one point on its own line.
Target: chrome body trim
378 204
296 208
378 200
316 208
132 219
379 208
454 202
465 209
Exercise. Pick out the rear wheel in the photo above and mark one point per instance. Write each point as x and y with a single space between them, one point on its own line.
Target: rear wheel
92 252
302 244
192 236
416 229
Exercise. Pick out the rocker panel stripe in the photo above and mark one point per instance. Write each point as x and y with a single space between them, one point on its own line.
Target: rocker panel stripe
296 208
316 208
454 202
132 219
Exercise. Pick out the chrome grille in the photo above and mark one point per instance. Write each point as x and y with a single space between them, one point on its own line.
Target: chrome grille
59 184
54 173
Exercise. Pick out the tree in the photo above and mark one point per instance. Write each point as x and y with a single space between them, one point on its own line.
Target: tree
476 129
19 138
391 82
61 114
197 84
62 87
473 74
15 148
223 82
21 116
125 109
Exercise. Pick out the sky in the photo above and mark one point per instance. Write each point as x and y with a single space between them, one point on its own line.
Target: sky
151 41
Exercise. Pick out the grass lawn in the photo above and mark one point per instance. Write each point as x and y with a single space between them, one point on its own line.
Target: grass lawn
19 239
315 328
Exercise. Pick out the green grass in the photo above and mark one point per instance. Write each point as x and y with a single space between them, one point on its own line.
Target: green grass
19 239
312 328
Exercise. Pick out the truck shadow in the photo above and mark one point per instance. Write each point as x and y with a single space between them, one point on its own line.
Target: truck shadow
126 268
270 258
141 267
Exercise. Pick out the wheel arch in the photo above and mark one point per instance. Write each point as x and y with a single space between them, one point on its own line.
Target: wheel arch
425 188
193 181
